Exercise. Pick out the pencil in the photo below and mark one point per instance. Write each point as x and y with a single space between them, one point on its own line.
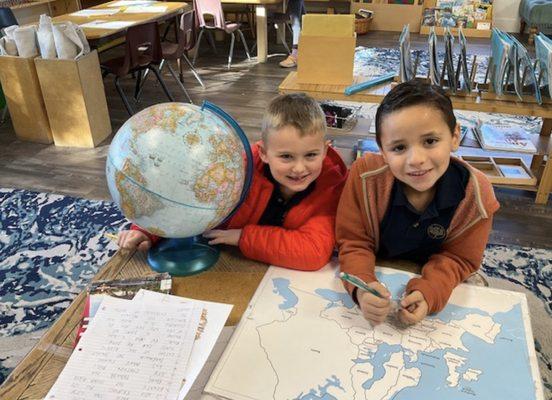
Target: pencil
112 236
359 283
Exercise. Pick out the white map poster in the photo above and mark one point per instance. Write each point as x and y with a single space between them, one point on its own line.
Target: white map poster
303 338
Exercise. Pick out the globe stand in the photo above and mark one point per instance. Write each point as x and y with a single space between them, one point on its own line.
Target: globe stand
182 257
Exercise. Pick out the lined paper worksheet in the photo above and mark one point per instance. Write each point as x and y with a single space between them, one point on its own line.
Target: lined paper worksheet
131 350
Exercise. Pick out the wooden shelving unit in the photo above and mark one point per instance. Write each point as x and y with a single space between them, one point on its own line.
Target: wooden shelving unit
468 32
541 165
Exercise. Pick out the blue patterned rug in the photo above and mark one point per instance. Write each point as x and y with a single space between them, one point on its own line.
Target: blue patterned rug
50 247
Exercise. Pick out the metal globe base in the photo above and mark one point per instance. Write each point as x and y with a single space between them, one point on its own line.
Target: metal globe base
182 257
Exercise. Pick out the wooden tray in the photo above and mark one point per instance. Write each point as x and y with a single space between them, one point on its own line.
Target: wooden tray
503 170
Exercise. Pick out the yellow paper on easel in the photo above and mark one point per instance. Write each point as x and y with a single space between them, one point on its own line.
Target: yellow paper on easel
328 25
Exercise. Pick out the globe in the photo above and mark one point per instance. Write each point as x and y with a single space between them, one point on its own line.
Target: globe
177 170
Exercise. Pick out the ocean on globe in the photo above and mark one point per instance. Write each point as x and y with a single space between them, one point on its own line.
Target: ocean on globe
176 169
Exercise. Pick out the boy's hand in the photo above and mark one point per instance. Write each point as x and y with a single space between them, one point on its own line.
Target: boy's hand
414 308
375 309
133 239
229 236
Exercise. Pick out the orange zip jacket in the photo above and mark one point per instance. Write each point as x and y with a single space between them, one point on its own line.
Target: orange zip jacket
363 204
306 239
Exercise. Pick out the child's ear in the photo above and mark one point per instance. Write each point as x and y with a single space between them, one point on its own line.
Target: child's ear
262 152
327 144
456 137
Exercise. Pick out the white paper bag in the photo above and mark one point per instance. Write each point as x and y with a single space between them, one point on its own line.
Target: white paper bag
25 40
7 47
46 37
70 41
9 43
65 48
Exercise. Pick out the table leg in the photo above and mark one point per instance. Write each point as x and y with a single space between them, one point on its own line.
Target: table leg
262 36
545 185
546 128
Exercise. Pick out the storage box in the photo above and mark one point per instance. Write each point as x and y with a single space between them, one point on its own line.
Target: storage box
24 99
74 95
326 49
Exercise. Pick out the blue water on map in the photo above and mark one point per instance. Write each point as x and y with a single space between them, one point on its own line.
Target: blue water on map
321 393
342 299
281 287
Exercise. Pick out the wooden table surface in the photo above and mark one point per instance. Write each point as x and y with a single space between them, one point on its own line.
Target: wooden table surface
98 36
232 280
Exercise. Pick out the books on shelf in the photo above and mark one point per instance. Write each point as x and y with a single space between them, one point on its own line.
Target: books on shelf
406 71
458 14
503 137
543 50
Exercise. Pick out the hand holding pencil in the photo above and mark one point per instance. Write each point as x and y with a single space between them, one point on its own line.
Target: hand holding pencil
373 298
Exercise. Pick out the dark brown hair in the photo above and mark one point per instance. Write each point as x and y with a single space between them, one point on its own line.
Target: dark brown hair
413 93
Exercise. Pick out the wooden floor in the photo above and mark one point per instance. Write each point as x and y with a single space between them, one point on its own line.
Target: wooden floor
244 92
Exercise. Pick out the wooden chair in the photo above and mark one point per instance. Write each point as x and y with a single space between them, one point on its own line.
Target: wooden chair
142 52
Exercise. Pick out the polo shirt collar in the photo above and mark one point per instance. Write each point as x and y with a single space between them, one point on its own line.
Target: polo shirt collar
449 192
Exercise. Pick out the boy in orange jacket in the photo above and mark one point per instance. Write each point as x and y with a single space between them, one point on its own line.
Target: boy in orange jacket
414 201
288 216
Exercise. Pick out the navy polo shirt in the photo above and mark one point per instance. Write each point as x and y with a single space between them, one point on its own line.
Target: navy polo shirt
277 207
408 234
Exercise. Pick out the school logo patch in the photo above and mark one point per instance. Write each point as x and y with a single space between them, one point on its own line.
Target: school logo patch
436 231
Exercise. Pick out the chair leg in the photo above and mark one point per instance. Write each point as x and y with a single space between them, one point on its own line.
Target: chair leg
193 70
173 73
198 44
138 86
161 82
146 74
211 39
244 45
231 52
123 97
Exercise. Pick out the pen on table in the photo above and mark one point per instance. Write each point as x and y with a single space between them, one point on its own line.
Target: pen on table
111 236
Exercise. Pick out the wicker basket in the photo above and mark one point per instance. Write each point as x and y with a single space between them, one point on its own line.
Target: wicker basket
362 25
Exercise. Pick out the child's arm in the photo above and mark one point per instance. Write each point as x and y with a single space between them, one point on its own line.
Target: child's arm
455 262
355 240
307 248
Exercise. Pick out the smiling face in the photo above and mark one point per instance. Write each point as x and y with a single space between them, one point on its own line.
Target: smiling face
416 143
295 160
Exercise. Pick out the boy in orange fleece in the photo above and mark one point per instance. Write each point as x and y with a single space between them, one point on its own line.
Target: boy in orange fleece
288 216
414 201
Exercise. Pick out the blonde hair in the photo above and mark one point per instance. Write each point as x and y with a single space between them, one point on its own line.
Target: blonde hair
298 110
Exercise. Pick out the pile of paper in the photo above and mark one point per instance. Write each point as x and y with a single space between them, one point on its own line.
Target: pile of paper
151 347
